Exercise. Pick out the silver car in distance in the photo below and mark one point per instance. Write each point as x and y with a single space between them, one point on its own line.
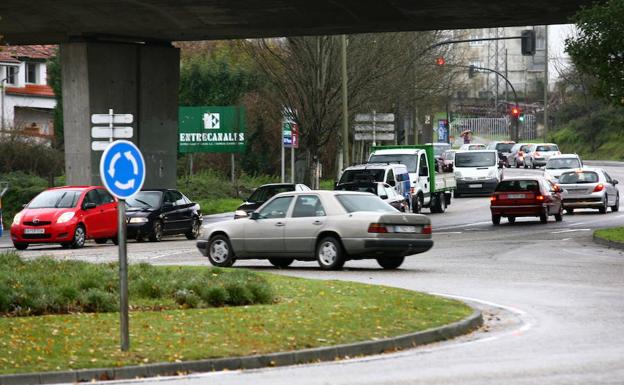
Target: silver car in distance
330 227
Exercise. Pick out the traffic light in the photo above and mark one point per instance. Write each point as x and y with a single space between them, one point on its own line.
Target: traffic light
440 61
515 112
528 42
471 71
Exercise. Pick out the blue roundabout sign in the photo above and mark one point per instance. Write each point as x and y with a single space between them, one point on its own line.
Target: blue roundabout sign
122 169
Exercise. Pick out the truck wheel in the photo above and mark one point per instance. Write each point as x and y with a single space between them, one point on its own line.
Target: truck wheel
417 205
440 204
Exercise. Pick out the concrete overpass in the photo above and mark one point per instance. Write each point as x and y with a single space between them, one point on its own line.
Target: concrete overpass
117 53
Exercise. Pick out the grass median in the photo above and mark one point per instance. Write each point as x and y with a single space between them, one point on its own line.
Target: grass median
615 234
302 314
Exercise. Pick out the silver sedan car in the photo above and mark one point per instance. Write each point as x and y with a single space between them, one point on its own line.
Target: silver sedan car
589 188
330 227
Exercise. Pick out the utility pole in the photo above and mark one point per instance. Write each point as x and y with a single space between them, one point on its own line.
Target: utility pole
345 106
546 83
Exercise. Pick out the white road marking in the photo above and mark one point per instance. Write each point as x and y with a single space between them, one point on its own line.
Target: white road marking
448 232
464 225
568 231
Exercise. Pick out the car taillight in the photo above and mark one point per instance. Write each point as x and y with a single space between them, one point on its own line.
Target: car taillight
540 198
493 198
426 229
599 187
537 154
377 228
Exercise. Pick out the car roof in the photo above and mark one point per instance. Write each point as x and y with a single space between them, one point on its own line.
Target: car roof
373 166
564 156
395 151
81 188
527 177
475 151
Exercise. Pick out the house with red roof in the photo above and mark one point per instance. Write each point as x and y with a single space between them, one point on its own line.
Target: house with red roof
26 100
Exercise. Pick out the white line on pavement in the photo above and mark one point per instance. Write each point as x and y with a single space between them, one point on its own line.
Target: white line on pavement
447 232
463 225
568 231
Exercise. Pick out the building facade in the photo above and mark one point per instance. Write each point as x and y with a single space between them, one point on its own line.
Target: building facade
26 100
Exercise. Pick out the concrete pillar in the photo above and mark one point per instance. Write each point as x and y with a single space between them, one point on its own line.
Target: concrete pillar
136 79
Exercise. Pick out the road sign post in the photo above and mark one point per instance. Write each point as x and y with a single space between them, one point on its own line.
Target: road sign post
122 169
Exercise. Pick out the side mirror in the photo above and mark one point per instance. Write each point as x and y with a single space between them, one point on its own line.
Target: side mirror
24 205
384 197
615 181
89 206
255 215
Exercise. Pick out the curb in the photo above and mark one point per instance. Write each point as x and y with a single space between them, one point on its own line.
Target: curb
328 353
608 243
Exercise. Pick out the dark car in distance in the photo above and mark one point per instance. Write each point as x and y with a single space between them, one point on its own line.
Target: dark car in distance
263 194
154 213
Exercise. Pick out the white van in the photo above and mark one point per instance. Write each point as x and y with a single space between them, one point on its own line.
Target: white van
394 174
476 172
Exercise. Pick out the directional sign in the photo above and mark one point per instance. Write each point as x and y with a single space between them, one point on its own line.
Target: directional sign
122 169
383 117
106 118
378 127
378 136
116 132
100 145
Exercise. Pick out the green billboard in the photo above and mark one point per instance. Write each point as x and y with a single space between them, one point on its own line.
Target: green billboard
211 129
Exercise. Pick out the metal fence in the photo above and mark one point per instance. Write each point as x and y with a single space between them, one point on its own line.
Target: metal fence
495 128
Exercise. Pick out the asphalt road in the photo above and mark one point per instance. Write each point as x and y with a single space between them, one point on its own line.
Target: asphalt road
553 302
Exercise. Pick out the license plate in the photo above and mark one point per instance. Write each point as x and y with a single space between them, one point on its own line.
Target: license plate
476 185
34 231
516 196
404 229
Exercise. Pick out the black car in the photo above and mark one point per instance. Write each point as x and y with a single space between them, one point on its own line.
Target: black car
504 150
383 190
263 194
154 213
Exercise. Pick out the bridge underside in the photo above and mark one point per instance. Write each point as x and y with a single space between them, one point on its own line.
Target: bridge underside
56 21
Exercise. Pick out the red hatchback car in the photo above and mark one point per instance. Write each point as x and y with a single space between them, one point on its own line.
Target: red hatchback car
526 197
67 215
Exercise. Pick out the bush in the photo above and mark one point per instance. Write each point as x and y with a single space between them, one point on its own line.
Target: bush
48 286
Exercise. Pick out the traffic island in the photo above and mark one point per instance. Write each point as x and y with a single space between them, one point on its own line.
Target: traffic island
613 237
304 321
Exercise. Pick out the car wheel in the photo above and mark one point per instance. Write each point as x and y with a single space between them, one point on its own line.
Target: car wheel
157 232
603 209
390 263
569 211
194 233
101 241
329 254
220 251
543 217
20 246
281 262
496 219
511 220
616 206
417 205
559 215
80 236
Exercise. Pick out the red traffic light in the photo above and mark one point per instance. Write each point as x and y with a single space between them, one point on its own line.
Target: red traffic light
440 61
515 112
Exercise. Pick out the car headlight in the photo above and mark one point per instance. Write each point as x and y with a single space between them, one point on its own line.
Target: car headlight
65 217
17 218
240 214
492 174
138 220
458 175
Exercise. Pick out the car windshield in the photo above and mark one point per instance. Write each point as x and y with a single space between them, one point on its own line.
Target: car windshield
368 175
361 187
547 148
475 159
353 203
504 147
578 177
59 199
408 160
264 193
518 185
563 163
145 199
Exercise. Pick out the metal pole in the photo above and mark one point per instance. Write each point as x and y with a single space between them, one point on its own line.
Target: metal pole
374 142
110 123
2 105
292 164
345 105
123 275
283 154
232 160
546 83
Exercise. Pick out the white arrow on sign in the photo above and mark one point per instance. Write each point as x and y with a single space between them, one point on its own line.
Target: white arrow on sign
379 136
106 118
381 117
106 132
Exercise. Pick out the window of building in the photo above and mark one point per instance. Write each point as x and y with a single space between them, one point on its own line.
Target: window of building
540 42
11 75
31 73
476 35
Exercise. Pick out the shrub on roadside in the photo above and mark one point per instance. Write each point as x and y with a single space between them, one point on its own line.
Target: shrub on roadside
48 286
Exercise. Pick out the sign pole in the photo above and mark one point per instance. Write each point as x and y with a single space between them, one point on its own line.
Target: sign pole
123 274
110 124
283 154
292 164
